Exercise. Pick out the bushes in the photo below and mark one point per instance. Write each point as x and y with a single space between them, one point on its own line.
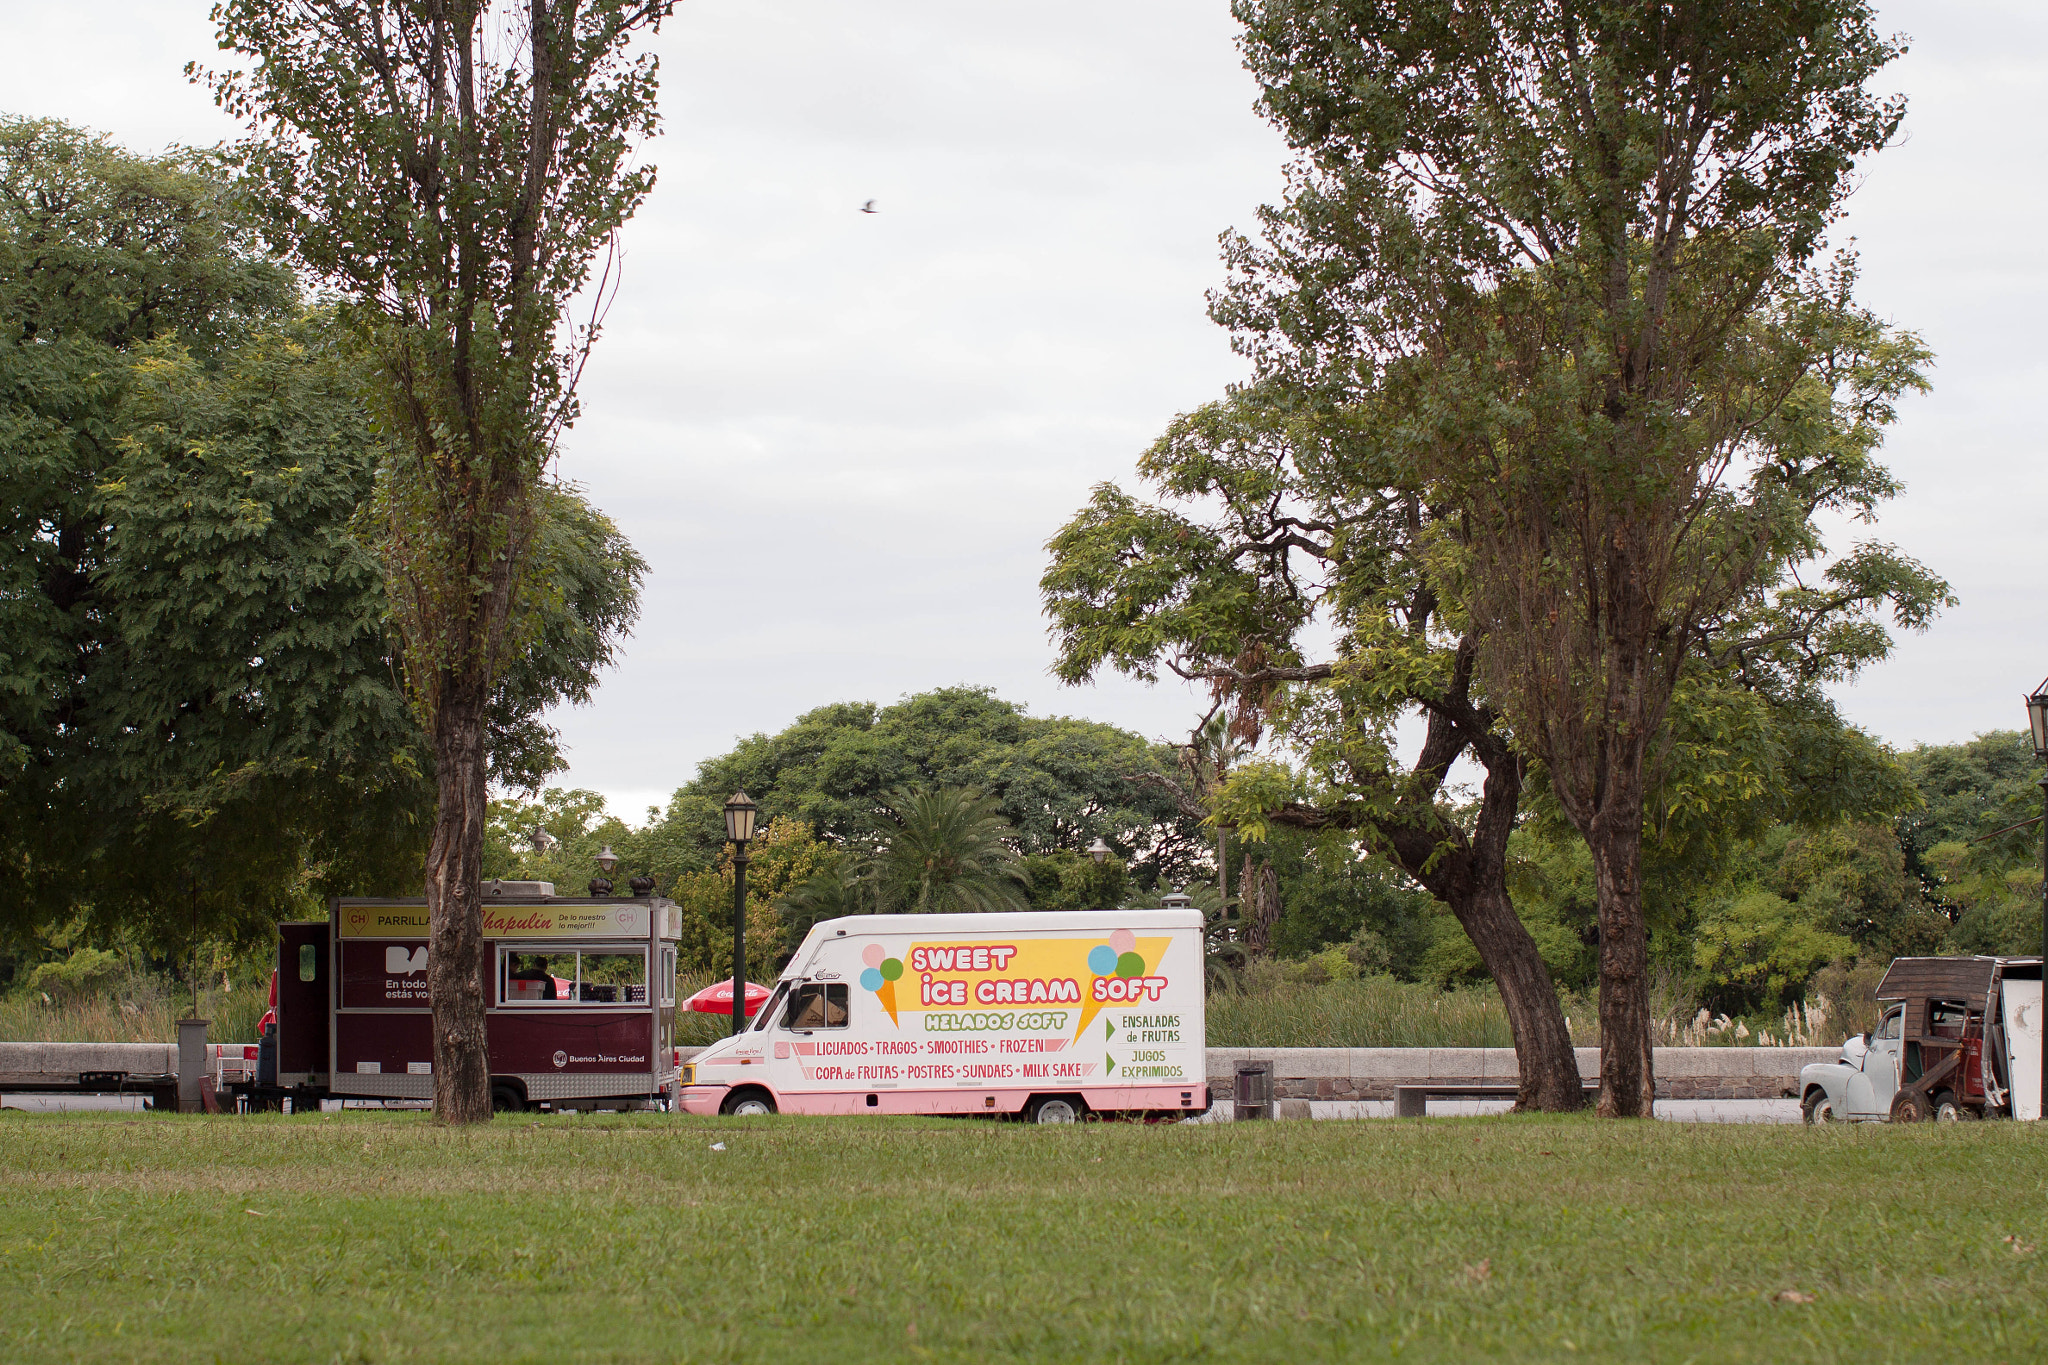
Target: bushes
83 973
1756 950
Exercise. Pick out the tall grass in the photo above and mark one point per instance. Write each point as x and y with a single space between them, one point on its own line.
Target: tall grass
146 1010
143 1010
1373 1011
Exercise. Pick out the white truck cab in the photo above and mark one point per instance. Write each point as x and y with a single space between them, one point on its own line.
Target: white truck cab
1861 1084
1048 1015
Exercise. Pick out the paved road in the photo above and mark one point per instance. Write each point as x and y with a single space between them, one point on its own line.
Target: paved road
1677 1111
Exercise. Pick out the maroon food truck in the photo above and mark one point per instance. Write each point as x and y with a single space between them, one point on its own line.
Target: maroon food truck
580 994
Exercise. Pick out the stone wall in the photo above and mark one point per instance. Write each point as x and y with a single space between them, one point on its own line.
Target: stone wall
68 1059
1372 1073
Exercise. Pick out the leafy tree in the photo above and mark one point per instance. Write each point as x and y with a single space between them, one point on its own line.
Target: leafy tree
193 735
1976 844
1065 880
1555 263
1269 521
222 739
455 169
1757 948
1060 782
1852 880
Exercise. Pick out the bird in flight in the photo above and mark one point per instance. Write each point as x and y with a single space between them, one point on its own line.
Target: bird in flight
868 207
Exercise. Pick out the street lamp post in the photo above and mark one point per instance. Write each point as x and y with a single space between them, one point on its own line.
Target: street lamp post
1100 851
739 831
2037 722
601 884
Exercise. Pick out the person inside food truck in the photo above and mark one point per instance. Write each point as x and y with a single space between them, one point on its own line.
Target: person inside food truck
536 969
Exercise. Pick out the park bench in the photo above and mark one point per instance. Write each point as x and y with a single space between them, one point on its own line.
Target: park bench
1412 1101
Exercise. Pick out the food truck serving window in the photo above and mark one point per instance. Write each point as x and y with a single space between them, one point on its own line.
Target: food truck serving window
816 1005
542 974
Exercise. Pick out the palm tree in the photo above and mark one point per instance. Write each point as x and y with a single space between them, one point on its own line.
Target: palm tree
834 890
943 851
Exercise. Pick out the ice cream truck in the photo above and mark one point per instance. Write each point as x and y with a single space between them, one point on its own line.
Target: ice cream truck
579 994
1047 1016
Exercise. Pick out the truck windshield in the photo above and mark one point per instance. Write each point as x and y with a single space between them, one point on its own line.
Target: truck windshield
767 1014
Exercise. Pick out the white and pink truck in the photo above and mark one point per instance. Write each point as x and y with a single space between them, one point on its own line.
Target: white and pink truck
1045 1015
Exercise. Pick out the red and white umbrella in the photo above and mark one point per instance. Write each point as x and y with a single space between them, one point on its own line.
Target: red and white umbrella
717 998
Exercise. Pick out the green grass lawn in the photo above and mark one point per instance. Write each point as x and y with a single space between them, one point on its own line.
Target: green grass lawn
374 1237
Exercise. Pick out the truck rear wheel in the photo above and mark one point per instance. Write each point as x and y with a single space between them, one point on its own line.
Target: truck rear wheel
1946 1110
1055 1109
1818 1109
506 1099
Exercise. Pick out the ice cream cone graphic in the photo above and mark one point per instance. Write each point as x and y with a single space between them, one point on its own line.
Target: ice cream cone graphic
880 977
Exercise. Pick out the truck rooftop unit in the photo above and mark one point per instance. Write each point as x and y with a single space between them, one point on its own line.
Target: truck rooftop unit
1047 1015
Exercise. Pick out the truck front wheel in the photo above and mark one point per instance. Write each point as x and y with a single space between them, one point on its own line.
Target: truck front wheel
1909 1107
748 1104
1817 1108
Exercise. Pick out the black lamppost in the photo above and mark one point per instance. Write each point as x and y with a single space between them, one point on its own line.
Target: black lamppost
739 831
2037 721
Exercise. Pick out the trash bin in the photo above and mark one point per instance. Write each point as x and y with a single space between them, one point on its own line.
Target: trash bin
1254 1095
191 1064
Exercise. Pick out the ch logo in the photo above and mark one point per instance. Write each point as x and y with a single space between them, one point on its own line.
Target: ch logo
399 962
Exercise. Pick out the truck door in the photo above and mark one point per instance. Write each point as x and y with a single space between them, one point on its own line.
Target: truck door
1880 1079
2021 1007
303 987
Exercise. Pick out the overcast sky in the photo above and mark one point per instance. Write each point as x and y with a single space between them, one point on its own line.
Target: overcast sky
842 439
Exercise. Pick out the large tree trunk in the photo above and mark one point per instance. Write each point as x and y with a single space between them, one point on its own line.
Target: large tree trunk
1628 1077
455 966
1468 873
1258 906
1548 1067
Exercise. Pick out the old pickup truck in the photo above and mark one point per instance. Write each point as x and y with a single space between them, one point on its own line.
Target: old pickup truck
1960 1038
